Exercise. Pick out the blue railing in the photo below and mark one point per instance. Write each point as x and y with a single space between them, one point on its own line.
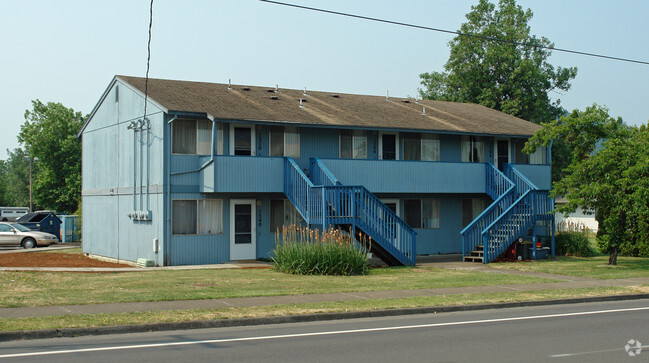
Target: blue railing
358 207
522 183
502 191
521 216
329 203
298 188
320 174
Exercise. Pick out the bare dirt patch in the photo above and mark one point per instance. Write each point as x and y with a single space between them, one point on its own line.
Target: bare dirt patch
46 259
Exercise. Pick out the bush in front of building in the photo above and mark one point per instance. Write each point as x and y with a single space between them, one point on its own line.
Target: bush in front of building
305 251
574 243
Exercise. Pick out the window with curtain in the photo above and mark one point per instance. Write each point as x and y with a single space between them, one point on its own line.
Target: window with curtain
430 147
422 213
191 137
411 147
519 156
472 149
430 213
471 209
283 213
285 141
539 157
421 147
219 138
197 216
276 141
353 144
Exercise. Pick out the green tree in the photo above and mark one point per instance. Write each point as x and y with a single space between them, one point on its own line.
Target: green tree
15 177
504 76
609 173
49 133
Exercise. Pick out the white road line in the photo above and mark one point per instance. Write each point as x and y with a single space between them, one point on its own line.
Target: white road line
269 337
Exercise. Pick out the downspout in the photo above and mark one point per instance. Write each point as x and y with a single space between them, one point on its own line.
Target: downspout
141 176
167 176
134 167
148 160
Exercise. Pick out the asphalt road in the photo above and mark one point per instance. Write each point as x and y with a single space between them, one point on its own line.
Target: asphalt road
593 332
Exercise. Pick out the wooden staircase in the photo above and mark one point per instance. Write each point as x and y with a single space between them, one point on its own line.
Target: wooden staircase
476 255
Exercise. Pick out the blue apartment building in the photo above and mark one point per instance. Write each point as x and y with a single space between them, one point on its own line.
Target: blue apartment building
213 170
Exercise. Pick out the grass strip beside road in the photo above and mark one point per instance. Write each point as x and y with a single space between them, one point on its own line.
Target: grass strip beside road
591 267
25 289
98 320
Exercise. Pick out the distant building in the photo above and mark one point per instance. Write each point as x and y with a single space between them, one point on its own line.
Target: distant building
578 220
216 169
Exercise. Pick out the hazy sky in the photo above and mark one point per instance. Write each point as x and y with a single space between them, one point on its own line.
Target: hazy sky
68 51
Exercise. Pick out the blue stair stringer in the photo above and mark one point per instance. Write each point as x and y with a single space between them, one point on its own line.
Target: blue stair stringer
517 205
328 203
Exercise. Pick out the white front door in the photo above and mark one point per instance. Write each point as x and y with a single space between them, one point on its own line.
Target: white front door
243 231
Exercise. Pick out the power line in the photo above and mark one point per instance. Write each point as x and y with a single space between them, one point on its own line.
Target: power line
148 61
456 32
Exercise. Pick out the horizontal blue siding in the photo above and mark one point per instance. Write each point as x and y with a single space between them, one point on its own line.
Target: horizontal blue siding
540 175
385 176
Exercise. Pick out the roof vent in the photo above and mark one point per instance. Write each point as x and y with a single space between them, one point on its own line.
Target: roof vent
335 96
229 83
276 88
304 91
274 98
303 100
424 111
270 90
387 95
246 88
406 101
301 106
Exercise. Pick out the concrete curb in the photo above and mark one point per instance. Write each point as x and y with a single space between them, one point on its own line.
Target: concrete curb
202 324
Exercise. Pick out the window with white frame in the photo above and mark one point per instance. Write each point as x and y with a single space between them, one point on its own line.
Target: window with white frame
197 216
353 144
285 141
422 213
421 147
192 137
283 213
472 149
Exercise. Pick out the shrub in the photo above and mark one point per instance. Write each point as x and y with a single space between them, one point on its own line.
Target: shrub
305 251
574 243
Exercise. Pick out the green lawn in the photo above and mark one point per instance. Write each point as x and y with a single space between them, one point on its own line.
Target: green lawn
594 267
62 288
87 320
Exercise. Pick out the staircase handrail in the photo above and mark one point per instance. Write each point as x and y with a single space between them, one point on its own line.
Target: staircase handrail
522 183
321 175
497 182
471 234
363 211
527 200
297 187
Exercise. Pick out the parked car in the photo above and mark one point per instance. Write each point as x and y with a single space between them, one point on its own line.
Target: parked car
14 234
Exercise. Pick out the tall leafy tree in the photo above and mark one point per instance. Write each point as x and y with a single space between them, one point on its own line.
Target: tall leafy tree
502 75
15 177
609 173
49 133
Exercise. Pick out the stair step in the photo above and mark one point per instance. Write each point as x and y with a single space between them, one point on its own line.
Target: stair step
477 253
473 259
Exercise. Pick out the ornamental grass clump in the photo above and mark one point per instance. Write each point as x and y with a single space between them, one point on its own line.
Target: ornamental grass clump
305 251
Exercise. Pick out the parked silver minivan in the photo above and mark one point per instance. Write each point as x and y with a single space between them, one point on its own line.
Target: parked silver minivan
14 234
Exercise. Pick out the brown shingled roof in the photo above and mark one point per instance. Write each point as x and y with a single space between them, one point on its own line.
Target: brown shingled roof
322 108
